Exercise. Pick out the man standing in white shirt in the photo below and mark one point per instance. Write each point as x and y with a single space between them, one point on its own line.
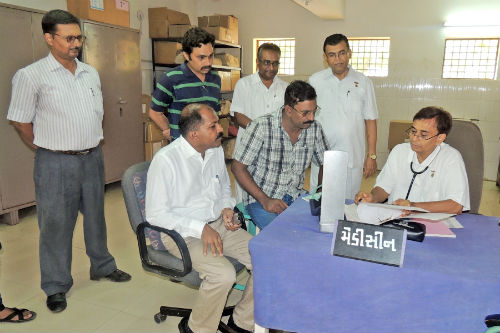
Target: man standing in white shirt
189 190
257 94
349 111
426 172
57 109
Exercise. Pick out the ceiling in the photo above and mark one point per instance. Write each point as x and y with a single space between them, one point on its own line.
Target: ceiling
326 9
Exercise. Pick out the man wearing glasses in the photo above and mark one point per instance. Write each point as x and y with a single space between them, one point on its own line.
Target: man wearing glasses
276 149
259 93
426 172
349 112
57 109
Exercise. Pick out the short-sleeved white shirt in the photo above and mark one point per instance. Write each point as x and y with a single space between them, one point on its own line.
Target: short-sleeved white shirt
253 99
345 105
445 178
66 110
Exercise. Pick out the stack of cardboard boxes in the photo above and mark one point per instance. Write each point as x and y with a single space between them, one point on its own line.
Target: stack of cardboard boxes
153 136
223 27
106 11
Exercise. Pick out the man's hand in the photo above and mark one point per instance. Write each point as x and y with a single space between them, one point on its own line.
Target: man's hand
370 167
363 197
227 218
166 134
403 202
211 237
276 206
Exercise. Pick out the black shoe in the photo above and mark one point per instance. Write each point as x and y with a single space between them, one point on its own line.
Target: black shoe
57 302
116 276
235 327
183 326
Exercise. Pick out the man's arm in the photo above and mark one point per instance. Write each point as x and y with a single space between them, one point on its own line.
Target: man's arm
246 181
25 131
162 122
370 165
241 120
377 194
442 206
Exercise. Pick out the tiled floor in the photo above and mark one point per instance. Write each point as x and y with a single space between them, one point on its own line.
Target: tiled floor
105 306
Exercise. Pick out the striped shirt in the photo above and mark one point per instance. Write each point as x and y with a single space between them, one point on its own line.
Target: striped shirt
66 110
180 87
276 165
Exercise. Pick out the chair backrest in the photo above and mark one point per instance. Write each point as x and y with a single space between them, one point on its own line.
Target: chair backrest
465 136
134 192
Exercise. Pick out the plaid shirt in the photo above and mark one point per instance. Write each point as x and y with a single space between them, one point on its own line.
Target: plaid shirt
276 165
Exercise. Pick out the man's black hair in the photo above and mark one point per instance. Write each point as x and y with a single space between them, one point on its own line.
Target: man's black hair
443 118
57 16
299 91
195 37
334 40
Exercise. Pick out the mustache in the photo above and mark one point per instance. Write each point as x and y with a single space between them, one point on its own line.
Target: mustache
219 136
206 67
308 122
77 48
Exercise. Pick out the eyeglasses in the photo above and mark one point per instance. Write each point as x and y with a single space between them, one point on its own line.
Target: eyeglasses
305 113
413 132
334 55
268 63
71 39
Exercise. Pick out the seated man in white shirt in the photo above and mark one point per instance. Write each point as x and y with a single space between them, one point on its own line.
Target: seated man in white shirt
189 190
426 172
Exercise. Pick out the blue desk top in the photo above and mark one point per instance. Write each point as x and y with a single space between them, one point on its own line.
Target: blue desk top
445 284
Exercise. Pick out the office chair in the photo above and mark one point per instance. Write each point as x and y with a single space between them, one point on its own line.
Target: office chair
465 136
154 257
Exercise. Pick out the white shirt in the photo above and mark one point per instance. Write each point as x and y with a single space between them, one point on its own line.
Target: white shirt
66 110
445 178
345 105
253 99
185 191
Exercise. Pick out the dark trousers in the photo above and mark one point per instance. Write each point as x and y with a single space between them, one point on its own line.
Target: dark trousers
64 185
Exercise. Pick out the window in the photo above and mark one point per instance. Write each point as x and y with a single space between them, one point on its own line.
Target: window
471 58
370 56
287 60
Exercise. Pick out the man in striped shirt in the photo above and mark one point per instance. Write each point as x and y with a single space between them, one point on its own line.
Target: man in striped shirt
57 109
276 149
192 82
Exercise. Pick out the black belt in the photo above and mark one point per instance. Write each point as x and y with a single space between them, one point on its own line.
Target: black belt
75 152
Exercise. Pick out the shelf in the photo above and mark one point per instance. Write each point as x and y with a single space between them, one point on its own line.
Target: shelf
179 40
216 67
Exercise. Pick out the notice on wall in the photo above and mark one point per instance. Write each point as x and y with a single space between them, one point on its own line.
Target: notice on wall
122 5
97 4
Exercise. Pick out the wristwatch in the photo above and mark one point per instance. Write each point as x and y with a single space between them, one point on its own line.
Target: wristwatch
372 156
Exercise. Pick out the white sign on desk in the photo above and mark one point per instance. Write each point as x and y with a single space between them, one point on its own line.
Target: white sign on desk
333 189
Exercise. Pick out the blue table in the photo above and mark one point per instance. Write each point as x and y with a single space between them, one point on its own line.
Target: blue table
445 284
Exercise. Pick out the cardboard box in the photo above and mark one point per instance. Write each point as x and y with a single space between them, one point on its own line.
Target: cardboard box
146 102
203 21
225 107
397 132
225 78
152 132
228 147
111 11
226 21
178 30
235 76
165 52
223 34
228 59
224 122
217 62
161 18
151 148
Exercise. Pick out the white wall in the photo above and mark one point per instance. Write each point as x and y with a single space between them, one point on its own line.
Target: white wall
417 47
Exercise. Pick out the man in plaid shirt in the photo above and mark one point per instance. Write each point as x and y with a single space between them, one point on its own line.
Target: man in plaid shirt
276 149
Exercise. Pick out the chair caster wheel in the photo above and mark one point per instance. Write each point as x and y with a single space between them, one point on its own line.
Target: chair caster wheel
159 317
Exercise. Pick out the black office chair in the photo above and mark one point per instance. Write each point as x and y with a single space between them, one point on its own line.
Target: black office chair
154 257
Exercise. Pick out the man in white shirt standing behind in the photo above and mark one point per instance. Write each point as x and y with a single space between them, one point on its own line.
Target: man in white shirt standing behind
189 191
348 112
259 93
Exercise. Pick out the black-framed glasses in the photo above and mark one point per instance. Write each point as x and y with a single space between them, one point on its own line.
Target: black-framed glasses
268 63
413 132
341 53
305 113
71 39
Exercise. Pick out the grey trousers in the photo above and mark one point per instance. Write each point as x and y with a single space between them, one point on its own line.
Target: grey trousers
64 185
218 277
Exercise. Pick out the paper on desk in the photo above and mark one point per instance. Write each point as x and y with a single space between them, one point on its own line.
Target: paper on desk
397 207
431 216
378 213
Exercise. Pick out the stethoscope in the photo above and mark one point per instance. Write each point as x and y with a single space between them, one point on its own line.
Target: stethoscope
415 173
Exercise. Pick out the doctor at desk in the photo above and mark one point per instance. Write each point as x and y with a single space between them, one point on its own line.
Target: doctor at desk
425 172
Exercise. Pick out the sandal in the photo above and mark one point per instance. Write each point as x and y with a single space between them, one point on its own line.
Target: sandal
19 313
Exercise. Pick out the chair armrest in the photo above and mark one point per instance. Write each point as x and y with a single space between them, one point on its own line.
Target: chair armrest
179 241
